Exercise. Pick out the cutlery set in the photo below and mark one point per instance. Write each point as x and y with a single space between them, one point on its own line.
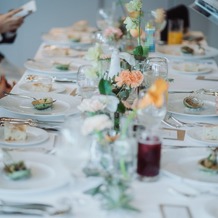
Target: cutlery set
37 209
48 125
179 124
199 91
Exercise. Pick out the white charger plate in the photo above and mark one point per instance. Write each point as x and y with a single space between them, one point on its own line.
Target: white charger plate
174 52
60 51
46 67
211 208
56 88
191 68
65 105
175 105
196 134
34 136
47 173
183 163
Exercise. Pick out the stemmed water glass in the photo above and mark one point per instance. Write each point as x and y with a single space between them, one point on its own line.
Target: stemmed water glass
87 81
155 67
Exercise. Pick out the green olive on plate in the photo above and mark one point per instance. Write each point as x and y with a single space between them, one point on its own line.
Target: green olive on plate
63 67
17 171
187 50
43 103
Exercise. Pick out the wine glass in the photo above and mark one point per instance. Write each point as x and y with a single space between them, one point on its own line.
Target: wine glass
87 81
151 116
155 67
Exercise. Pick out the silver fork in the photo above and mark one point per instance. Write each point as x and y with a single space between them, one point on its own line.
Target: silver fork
185 124
39 209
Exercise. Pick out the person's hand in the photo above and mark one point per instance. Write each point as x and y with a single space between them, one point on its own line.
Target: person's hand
10 23
5 86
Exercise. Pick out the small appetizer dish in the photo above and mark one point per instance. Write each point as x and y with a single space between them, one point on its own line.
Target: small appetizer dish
61 66
210 163
193 102
43 103
17 171
187 50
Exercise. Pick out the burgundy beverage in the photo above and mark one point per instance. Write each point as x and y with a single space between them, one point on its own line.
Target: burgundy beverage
149 153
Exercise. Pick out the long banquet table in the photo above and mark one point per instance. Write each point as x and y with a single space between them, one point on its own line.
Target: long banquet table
148 197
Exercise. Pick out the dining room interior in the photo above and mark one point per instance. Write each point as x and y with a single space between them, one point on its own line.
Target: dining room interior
115 113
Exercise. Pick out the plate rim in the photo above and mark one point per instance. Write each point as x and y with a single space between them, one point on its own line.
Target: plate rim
188 57
177 96
22 143
49 72
32 157
61 88
208 142
72 105
194 154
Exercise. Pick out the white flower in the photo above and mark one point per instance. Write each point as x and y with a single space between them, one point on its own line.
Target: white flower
96 123
99 103
130 24
91 105
92 72
110 102
134 5
94 53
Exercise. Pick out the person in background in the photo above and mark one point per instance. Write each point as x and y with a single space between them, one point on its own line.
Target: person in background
9 24
4 86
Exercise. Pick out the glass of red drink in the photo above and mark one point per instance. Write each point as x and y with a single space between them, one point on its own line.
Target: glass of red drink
148 158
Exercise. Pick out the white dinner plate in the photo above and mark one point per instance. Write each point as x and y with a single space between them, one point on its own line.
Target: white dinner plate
174 51
183 163
175 105
61 51
47 173
56 88
191 68
47 67
64 38
211 208
65 105
34 136
196 134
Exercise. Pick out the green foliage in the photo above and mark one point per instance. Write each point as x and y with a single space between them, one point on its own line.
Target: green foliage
115 194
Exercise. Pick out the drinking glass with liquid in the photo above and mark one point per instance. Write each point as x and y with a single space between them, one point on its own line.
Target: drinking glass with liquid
148 157
175 31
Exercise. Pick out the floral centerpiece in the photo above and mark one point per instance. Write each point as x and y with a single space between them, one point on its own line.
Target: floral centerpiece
133 25
114 190
113 34
121 86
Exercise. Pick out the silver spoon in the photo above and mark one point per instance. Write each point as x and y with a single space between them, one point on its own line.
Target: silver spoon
19 95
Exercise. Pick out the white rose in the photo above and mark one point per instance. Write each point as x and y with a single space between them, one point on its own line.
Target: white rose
91 105
96 123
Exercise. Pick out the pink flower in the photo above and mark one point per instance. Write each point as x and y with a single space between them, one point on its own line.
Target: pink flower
113 33
132 79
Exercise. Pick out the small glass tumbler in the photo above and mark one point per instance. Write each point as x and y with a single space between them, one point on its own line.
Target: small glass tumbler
148 157
87 81
175 31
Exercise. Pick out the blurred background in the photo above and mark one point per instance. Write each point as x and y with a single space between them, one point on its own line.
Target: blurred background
62 13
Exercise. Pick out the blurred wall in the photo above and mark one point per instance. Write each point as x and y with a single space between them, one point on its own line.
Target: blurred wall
60 13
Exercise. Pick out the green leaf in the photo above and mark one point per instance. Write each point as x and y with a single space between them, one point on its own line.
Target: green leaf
93 191
145 51
138 51
121 108
105 87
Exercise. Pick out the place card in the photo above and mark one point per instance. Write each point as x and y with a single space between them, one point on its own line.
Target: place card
173 134
172 211
210 78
